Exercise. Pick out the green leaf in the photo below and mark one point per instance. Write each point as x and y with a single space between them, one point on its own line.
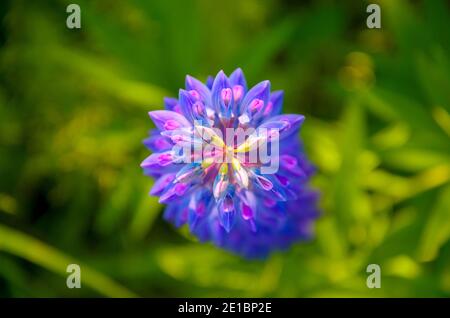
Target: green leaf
39 253
437 229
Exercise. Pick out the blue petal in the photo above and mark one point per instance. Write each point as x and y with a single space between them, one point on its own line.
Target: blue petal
157 143
260 91
188 105
238 78
189 172
286 125
197 208
269 186
227 212
221 82
275 102
194 84
182 216
173 192
171 212
192 219
171 104
186 101
162 183
209 82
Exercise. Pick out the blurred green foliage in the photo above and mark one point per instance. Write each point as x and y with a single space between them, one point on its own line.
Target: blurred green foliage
73 112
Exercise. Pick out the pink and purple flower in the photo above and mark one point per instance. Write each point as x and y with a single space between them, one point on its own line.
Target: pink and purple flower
214 184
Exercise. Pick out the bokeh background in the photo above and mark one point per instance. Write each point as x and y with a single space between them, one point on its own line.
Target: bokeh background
73 113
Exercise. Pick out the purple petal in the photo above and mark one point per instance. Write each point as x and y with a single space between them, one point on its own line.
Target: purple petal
194 84
270 186
290 165
192 219
285 125
188 172
171 212
260 91
247 212
220 185
160 159
186 101
173 192
275 103
264 183
284 181
168 120
209 81
220 84
238 78
194 108
162 183
158 143
197 209
157 171
277 191
227 212
182 216
269 202
238 94
172 104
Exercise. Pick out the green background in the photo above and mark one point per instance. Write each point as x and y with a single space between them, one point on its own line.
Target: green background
73 113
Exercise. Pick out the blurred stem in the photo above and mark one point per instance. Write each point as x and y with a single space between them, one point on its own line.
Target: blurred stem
39 253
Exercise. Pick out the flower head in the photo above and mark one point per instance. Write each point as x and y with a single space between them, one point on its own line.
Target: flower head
231 166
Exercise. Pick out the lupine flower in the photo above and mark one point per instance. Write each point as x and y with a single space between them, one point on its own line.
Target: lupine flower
212 183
